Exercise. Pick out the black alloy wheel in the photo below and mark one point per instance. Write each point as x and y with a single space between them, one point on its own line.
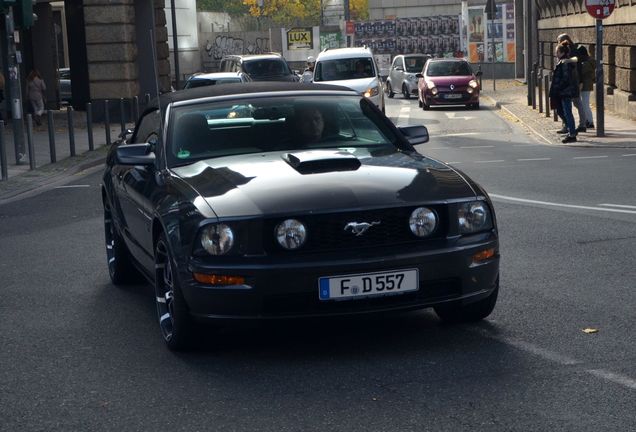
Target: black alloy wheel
456 312
389 90
175 323
120 268
405 92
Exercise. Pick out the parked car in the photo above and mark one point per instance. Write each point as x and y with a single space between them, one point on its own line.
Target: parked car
351 67
281 200
64 77
259 67
448 82
402 75
207 79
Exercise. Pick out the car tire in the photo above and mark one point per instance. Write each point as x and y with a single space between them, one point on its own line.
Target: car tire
425 106
419 102
177 327
475 106
405 92
120 267
389 90
471 312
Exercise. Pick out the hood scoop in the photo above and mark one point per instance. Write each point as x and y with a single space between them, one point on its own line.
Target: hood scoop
321 161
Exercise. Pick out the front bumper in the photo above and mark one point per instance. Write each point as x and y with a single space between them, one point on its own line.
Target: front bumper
284 288
442 98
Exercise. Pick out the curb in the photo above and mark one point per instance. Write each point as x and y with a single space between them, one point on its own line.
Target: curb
28 184
502 107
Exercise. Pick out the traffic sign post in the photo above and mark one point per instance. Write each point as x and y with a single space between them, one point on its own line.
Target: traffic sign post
600 9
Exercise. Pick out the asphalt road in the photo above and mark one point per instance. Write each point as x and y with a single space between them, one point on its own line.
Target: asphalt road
79 354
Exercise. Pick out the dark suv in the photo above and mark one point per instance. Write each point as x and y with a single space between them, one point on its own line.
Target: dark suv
259 67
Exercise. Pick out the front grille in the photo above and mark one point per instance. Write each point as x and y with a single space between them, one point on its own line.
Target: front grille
309 303
325 232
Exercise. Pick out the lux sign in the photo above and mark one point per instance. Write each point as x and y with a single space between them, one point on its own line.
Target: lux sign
300 38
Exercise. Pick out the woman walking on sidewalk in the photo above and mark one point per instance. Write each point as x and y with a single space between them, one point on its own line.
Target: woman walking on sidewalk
565 87
588 72
36 92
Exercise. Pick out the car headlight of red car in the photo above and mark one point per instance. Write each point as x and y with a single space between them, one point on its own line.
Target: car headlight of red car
431 86
472 86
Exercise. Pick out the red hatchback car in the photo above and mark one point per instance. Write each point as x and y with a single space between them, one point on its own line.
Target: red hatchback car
448 82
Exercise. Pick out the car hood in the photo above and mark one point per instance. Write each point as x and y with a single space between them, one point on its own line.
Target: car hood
459 80
359 84
267 184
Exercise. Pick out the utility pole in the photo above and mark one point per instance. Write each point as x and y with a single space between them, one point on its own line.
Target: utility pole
14 58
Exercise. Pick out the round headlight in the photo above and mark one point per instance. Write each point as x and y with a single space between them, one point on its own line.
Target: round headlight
473 217
423 222
217 239
291 234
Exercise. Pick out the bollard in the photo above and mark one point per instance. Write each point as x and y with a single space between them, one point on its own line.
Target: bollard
146 100
136 108
3 154
546 85
52 149
533 85
480 77
30 142
540 82
89 125
71 132
122 115
107 122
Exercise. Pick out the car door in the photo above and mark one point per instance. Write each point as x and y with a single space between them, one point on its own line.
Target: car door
136 184
393 73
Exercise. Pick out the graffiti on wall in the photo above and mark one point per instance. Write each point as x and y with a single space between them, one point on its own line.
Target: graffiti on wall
224 44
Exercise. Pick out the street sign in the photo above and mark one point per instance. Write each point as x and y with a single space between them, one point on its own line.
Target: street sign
300 38
600 9
350 27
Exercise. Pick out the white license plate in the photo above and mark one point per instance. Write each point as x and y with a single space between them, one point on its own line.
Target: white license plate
453 96
368 285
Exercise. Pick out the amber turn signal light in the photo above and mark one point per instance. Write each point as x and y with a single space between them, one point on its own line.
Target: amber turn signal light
484 255
212 279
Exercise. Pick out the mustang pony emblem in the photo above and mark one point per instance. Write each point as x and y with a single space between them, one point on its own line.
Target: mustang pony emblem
359 228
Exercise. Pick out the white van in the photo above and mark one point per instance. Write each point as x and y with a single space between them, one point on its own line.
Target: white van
351 67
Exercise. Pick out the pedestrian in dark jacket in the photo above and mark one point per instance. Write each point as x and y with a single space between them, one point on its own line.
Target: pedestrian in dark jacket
565 87
588 74
573 56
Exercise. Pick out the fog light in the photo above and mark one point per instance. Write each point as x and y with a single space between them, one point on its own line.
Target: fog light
484 255
212 279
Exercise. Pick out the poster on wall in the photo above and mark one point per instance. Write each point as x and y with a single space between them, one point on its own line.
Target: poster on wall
438 36
482 34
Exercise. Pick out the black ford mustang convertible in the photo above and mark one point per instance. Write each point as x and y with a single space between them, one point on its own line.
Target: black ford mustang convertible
271 200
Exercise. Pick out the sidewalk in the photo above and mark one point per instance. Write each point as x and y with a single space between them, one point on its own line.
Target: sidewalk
512 97
22 179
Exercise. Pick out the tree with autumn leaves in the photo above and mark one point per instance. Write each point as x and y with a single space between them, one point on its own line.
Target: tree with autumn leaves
283 12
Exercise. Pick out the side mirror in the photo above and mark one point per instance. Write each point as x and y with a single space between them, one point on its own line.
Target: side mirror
415 134
419 75
135 154
479 73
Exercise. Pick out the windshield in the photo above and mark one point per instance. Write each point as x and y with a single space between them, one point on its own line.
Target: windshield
415 64
266 67
265 124
344 69
448 68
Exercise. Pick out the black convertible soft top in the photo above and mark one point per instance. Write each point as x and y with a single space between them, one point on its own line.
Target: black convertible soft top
230 89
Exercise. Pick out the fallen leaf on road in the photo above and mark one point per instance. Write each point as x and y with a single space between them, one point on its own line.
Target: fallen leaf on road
590 330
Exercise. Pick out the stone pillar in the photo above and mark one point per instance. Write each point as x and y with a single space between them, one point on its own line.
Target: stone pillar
111 48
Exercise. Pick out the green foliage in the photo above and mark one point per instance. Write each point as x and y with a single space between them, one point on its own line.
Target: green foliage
232 7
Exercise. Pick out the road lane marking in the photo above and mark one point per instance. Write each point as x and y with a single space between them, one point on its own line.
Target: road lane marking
490 161
453 163
461 134
476 147
589 157
614 377
558 358
628 155
526 145
534 159
552 204
405 113
619 206
71 186
437 148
